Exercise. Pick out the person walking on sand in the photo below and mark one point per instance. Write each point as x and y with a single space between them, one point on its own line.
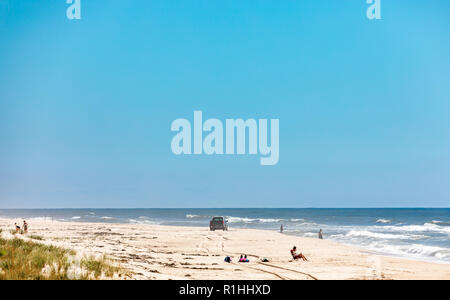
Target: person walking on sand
296 256
321 234
25 226
17 228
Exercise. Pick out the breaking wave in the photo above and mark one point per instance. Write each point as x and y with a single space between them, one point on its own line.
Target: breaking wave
387 236
188 216
383 221
250 220
413 250
141 221
442 223
427 227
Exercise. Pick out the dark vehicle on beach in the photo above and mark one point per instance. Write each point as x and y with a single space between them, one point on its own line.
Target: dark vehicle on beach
218 223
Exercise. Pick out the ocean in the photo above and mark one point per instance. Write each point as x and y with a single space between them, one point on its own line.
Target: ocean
418 233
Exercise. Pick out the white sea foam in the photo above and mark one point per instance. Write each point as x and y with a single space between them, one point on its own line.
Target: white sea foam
437 222
386 236
311 234
106 218
76 218
413 250
407 240
309 225
249 220
240 220
270 220
194 216
427 227
384 221
140 221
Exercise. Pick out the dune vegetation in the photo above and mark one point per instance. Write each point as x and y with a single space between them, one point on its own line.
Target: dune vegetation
28 260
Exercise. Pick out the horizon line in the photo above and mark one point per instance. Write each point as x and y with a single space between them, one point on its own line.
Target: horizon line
135 208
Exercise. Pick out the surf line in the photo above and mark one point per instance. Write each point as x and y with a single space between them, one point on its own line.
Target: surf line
235 133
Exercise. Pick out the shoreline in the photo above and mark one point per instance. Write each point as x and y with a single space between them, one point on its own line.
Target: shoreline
189 252
361 248
384 254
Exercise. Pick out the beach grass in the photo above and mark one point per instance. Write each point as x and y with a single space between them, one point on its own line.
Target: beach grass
99 267
36 237
29 260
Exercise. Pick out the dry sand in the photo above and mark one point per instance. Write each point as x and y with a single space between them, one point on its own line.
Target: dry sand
170 252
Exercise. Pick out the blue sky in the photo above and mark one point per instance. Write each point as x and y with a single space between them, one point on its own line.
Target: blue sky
86 105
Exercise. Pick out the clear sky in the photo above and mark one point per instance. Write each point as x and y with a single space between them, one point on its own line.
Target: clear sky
86 105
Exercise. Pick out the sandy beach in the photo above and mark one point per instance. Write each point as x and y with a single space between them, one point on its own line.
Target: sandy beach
172 252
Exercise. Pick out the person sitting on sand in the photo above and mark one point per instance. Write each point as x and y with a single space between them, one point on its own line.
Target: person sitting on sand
243 259
25 226
296 256
17 228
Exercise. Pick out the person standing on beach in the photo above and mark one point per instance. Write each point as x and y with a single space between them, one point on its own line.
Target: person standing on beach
321 234
17 228
281 228
25 226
